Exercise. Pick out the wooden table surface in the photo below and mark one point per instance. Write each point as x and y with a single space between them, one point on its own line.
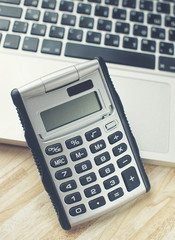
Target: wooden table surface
27 213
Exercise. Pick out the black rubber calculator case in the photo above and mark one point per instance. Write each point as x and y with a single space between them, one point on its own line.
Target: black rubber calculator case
75 125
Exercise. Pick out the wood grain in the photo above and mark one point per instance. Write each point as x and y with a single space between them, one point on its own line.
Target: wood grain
26 212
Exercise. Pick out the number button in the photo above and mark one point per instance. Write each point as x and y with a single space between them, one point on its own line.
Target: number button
73 198
98 146
64 173
68 186
96 203
119 149
130 178
74 142
84 166
89 192
54 149
79 154
58 161
89 178
111 182
80 209
102 158
91 135
105 171
115 137
115 194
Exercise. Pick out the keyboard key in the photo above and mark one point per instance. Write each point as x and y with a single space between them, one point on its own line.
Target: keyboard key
154 19
20 27
95 1
130 178
111 182
32 14
38 29
115 137
140 30
64 173
121 148
101 11
68 20
73 198
78 154
50 17
83 166
119 14
117 193
122 27
163 7
93 134
96 203
112 40
167 64
74 142
170 21
97 146
51 47
68 186
77 210
66 6
88 178
54 149
158 33
166 48
102 158
129 3
11 1
111 55
31 3
86 22
172 35
14 12
123 161
56 32
75 34
58 161
136 16
148 45
129 42
51 4
107 170
30 44
146 5
112 2
93 37
12 41
104 25
84 8
92 191
4 24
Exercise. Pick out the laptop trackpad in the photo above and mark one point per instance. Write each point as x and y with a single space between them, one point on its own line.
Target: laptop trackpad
147 106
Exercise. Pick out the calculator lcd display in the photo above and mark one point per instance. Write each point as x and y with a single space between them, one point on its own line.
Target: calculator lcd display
71 111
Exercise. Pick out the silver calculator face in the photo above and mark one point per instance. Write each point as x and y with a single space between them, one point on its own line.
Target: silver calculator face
85 147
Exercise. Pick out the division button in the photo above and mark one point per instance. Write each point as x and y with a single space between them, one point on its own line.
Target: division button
115 137
96 203
77 210
130 178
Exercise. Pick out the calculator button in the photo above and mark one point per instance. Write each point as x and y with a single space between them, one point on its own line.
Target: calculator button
74 142
91 191
88 178
54 149
111 182
117 193
102 158
119 149
83 166
79 154
64 173
58 161
98 146
111 125
68 186
96 203
130 178
73 198
91 135
77 210
105 171
115 137
124 161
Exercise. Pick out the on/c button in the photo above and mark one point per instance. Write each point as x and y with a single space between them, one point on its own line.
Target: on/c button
111 125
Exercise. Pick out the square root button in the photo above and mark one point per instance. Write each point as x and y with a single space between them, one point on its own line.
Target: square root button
130 178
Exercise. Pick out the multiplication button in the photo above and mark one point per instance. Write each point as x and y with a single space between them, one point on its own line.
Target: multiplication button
130 178
121 148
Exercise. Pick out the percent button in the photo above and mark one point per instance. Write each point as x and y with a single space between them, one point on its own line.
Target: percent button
74 142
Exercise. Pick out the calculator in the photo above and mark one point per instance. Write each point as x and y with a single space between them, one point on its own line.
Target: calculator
76 128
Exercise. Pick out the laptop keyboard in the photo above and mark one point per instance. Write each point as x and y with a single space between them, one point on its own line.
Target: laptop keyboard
138 33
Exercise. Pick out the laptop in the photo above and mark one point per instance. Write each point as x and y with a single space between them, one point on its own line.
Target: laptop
136 39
